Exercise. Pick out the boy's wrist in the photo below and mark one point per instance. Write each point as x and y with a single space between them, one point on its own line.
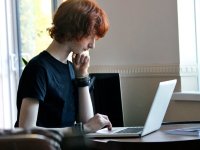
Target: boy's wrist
82 81
82 75
79 128
86 129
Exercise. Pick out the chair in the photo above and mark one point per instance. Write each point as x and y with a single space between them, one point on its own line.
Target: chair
106 96
34 139
40 139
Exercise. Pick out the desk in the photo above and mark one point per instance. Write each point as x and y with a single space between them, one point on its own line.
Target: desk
157 138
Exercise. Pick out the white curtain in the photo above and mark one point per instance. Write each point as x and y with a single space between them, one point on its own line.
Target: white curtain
9 74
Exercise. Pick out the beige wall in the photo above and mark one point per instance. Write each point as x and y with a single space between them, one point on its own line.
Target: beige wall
183 110
142 45
141 32
138 94
138 87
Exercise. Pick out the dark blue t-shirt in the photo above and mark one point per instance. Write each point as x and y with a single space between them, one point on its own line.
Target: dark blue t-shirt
52 83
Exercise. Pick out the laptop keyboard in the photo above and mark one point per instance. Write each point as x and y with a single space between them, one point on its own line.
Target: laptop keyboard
131 130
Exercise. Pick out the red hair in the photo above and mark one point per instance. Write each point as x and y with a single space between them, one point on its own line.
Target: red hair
76 19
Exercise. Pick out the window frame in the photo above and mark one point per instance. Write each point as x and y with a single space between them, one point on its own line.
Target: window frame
189 64
10 60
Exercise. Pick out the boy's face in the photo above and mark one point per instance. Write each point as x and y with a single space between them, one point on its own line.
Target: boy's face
84 44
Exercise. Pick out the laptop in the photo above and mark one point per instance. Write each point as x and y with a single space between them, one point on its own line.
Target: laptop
154 119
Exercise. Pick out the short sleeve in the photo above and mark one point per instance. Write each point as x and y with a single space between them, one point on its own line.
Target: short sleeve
33 82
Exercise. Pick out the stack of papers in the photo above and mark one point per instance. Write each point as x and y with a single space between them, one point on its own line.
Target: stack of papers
194 131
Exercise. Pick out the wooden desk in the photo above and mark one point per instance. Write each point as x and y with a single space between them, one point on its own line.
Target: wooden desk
157 139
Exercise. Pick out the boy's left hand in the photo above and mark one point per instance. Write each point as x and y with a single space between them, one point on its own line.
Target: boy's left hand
81 64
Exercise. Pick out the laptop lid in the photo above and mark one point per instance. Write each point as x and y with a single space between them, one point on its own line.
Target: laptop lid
155 116
159 106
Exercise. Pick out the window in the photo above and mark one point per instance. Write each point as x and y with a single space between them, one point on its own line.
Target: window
197 15
34 20
189 34
189 46
8 63
23 34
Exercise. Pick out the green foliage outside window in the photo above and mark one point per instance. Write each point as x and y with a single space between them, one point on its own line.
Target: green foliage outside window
35 17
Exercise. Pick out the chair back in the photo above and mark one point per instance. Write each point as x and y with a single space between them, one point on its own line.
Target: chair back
106 96
34 139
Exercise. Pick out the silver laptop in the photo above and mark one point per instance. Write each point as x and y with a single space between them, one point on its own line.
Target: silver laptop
154 119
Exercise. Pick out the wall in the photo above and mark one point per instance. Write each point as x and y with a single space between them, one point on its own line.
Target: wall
142 45
141 32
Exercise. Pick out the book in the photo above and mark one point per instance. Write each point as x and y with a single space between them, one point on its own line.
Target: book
192 131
